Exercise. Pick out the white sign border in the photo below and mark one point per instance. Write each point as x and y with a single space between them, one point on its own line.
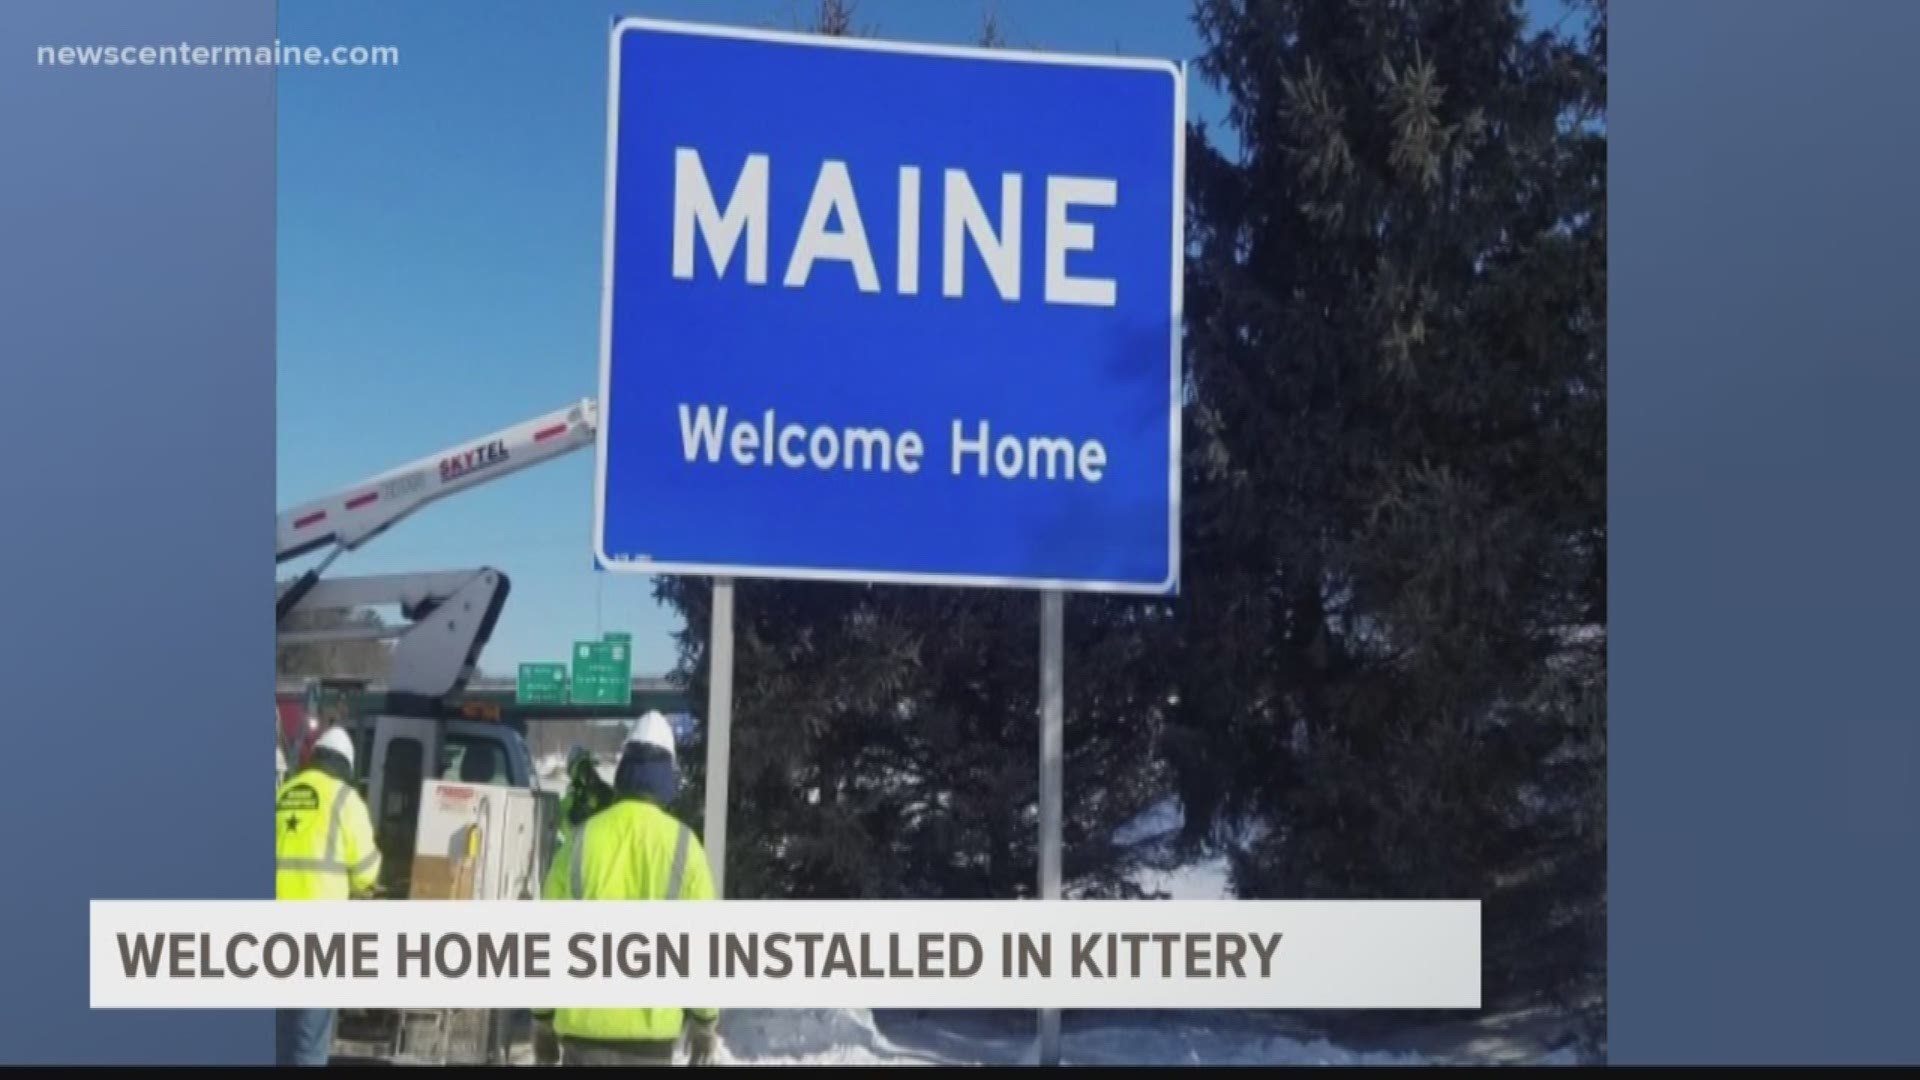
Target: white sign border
1167 587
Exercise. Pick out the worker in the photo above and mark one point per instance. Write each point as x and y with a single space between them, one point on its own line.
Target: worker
324 850
587 794
637 850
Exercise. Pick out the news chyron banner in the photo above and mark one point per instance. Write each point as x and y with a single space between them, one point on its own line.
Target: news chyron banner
157 954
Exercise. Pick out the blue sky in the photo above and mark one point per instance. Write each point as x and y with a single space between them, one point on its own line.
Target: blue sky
439 261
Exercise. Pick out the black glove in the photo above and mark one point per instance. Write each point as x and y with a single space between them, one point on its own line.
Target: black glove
703 1040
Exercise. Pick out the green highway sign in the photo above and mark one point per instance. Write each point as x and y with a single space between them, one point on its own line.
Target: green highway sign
541 684
619 635
602 672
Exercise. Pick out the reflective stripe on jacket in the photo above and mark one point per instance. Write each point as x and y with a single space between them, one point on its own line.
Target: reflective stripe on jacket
633 850
323 840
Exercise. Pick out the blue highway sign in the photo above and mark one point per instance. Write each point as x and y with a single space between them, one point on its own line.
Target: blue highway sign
888 312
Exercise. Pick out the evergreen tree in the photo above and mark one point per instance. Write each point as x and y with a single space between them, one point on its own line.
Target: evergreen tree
1392 640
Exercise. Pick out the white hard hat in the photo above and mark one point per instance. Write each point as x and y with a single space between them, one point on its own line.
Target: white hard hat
338 741
653 730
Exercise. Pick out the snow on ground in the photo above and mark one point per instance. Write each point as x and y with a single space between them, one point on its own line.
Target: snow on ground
938 1037
1207 879
1153 823
808 1037
855 1037
941 1037
1203 879
861 1037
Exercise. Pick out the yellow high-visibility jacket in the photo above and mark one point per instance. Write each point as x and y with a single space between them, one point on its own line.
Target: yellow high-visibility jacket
632 850
323 840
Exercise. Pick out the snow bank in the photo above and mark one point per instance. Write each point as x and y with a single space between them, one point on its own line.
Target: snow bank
856 1037
1192 1044
1207 879
1203 879
809 1037
937 1037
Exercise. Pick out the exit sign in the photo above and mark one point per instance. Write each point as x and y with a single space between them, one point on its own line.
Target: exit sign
603 672
541 684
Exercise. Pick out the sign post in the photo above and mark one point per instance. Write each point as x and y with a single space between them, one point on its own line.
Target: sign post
845 347
719 732
1052 724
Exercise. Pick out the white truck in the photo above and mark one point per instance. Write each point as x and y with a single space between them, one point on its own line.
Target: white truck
412 739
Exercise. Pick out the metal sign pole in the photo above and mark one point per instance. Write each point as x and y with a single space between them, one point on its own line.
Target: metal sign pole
719 731
1052 720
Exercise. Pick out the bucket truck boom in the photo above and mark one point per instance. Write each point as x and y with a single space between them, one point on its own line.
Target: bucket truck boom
359 512
432 657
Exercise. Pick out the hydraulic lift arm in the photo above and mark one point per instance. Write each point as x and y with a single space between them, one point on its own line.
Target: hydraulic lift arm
355 514
450 615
